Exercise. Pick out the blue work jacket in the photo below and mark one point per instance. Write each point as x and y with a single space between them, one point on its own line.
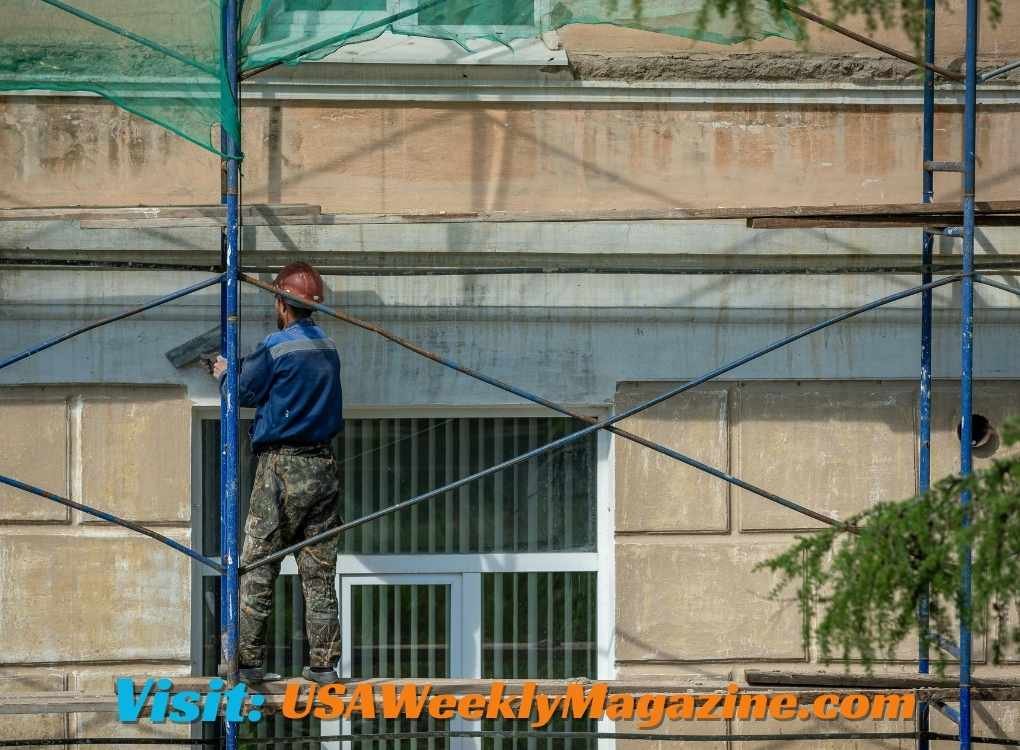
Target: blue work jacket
293 381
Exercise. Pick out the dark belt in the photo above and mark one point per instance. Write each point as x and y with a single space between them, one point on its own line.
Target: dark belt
319 449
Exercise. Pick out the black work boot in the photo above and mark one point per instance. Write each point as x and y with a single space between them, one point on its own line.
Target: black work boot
255 675
321 675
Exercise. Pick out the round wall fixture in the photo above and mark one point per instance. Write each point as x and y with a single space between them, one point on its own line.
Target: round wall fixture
981 431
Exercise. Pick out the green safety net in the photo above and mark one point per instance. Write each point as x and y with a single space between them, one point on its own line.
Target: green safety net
162 59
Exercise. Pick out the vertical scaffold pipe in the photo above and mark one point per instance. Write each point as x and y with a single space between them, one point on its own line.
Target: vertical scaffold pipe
967 354
230 326
924 405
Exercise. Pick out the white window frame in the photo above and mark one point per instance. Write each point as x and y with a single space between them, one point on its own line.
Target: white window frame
462 659
467 567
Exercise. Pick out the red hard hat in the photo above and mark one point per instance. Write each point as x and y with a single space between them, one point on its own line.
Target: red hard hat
300 278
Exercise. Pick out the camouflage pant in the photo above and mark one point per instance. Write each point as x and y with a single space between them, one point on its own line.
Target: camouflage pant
294 497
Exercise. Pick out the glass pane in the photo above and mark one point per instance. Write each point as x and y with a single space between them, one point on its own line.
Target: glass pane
543 505
539 625
400 631
465 13
542 626
247 462
286 653
546 504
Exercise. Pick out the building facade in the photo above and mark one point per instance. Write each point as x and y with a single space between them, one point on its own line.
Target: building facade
600 560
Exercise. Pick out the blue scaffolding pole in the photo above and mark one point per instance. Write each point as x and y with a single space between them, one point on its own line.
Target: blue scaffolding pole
967 166
924 397
229 326
967 354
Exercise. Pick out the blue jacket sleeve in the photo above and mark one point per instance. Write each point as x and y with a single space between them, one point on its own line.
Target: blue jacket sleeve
256 377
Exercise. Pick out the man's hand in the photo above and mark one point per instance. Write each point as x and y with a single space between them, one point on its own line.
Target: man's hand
219 367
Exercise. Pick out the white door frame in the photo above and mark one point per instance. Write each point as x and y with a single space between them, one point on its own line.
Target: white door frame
465 629
347 582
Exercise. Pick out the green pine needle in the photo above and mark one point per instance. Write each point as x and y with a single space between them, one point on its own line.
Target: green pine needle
858 586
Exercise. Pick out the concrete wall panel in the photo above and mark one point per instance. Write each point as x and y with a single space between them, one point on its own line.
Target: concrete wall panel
835 447
656 493
837 726
702 728
84 598
37 726
700 602
1000 720
33 449
995 400
135 453
100 681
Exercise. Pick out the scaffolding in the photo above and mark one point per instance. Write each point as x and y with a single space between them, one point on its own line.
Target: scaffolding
937 220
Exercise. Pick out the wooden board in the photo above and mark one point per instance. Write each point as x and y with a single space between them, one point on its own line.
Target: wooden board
57 703
76 702
266 219
143 213
298 214
679 214
451 264
881 222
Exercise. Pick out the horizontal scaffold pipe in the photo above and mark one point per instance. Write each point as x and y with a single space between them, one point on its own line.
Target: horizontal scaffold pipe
18 485
536 399
998 72
106 265
559 264
510 734
492 734
98 323
603 424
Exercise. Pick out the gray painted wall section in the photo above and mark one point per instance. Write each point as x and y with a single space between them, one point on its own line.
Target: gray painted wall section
577 357
730 238
567 337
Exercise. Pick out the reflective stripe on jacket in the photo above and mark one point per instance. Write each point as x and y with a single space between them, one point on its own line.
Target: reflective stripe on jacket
293 381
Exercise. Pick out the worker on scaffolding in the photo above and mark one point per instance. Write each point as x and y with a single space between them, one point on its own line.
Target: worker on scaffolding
293 381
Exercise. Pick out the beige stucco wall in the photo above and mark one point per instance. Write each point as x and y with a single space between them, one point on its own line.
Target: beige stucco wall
84 600
1001 39
688 601
424 157
404 157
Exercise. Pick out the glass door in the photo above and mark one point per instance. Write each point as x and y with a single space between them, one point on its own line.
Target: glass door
399 626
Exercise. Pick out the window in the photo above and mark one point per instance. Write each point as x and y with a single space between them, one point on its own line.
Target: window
327 17
500 578
449 32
